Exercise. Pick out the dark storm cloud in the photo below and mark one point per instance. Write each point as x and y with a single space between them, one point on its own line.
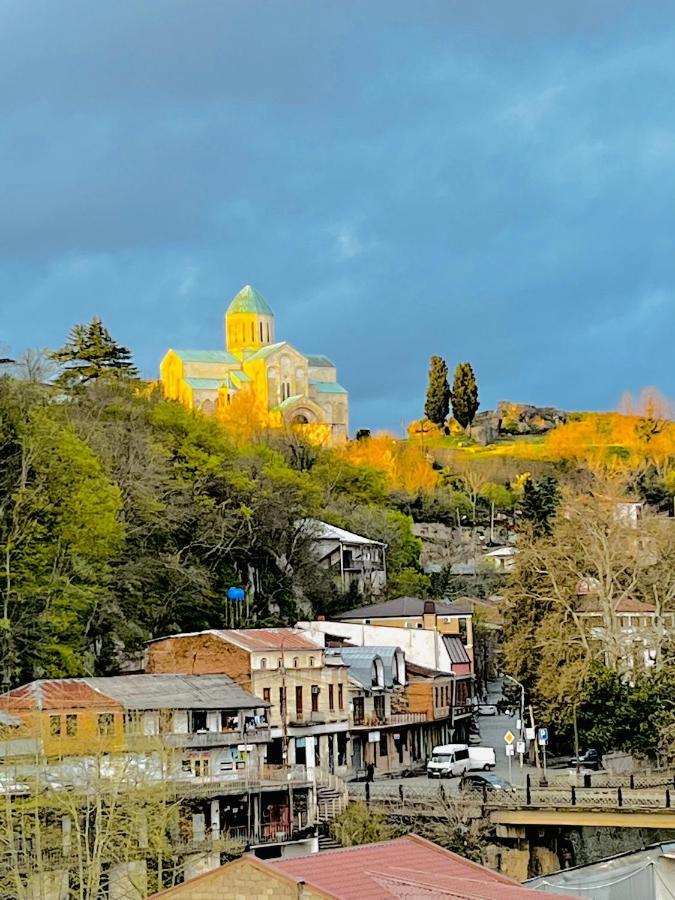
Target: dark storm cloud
491 182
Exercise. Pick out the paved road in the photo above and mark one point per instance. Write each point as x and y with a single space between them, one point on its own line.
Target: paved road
492 731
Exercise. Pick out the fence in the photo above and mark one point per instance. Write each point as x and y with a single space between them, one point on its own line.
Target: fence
430 800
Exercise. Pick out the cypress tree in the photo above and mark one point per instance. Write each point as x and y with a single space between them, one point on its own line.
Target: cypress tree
91 352
437 403
464 395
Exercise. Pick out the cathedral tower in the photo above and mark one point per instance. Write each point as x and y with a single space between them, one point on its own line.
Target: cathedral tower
249 322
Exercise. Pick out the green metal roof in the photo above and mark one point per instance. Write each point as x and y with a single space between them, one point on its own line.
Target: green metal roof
290 401
328 387
238 375
208 356
205 384
248 300
319 361
264 352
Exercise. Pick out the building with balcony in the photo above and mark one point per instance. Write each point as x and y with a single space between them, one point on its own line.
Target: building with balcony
445 699
305 693
355 561
202 738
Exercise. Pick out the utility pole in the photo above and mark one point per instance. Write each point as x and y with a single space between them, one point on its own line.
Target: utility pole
284 730
576 739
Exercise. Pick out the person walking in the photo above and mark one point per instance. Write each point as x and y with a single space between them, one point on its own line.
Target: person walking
370 773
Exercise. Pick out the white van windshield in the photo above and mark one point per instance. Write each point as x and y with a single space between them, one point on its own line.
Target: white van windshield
441 758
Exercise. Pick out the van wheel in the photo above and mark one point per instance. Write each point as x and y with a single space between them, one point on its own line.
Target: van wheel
486 767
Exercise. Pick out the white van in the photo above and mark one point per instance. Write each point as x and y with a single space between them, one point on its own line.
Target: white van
448 760
481 758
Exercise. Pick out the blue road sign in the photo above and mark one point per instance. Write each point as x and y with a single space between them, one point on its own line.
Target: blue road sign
542 736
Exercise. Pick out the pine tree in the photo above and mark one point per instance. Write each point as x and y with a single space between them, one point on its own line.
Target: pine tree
464 395
90 353
540 503
437 404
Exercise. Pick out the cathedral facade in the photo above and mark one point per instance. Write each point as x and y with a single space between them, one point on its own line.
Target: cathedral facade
299 389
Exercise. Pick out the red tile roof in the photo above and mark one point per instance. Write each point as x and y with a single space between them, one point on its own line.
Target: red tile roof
67 693
268 639
593 604
406 867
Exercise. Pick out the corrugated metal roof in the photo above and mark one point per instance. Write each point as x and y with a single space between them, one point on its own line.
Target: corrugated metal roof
71 693
360 661
401 607
132 692
267 639
456 649
322 531
406 867
176 692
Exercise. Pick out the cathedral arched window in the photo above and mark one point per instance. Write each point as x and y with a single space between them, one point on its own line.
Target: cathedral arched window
268 332
253 331
261 332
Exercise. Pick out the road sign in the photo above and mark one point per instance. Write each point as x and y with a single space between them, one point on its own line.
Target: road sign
542 736
529 734
520 747
509 737
510 750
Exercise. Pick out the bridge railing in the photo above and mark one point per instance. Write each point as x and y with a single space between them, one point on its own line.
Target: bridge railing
402 799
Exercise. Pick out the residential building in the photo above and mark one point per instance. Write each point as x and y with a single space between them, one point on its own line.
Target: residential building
204 738
306 693
436 635
295 388
409 866
356 562
502 559
445 700
634 626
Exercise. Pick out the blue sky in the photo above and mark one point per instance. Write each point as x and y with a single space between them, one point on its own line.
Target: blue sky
492 182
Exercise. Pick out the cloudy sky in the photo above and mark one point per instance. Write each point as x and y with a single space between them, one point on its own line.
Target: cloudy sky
489 181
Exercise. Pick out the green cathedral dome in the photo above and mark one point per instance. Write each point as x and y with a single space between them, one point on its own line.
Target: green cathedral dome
248 300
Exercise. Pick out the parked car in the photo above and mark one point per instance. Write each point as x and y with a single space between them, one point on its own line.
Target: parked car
448 760
474 739
477 781
487 709
591 759
481 758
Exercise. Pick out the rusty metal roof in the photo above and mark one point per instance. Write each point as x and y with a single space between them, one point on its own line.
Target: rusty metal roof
64 693
132 692
268 639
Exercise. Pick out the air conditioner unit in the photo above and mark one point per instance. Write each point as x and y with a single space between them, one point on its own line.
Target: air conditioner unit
315 689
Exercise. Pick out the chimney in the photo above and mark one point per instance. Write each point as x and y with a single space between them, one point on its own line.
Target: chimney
429 616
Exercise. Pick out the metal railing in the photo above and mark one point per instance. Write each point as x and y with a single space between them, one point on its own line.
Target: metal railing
431 800
200 739
407 718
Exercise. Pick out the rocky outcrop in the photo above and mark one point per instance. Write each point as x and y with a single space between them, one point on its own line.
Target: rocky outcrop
514 419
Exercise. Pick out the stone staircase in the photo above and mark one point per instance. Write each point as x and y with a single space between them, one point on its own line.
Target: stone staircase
331 799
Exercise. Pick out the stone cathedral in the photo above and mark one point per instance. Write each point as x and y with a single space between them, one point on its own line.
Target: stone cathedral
303 390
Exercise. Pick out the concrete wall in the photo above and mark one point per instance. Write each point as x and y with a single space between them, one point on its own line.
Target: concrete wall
422 647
